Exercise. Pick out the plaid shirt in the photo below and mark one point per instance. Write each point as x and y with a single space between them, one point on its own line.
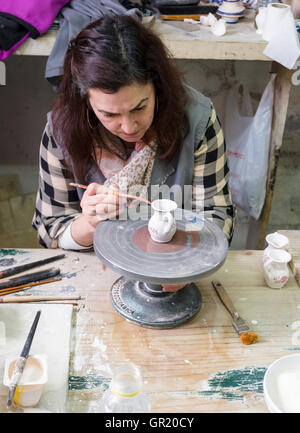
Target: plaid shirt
58 204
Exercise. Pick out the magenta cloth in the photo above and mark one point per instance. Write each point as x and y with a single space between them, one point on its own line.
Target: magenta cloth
4 54
39 13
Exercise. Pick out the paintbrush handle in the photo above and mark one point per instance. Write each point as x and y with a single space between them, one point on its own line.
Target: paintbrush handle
14 299
4 292
117 193
21 361
221 292
15 377
29 278
25 267
29 339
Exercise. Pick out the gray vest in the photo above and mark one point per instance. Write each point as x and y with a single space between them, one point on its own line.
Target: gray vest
177 173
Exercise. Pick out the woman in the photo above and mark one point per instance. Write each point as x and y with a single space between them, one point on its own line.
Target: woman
125 117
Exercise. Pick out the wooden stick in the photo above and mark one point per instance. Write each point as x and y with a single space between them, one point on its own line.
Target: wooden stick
14 299
119 194
181 17
52 302
26 286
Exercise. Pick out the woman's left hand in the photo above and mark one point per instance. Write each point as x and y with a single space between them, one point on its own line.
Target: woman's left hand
172 287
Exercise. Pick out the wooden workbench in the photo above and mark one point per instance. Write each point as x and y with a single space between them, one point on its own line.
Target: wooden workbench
200 366
190 41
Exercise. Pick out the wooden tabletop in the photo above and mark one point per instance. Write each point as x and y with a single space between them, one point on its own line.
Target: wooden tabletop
200 366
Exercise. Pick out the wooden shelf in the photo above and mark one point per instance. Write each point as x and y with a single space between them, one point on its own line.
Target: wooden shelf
185 41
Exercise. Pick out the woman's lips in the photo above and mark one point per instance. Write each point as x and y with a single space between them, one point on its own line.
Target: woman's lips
131 135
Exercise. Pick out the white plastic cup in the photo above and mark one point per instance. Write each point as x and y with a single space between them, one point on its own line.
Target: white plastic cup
32 381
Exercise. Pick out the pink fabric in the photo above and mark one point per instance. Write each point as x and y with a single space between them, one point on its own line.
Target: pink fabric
4 54
39 13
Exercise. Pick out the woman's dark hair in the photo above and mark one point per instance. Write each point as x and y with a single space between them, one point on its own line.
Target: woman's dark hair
108 54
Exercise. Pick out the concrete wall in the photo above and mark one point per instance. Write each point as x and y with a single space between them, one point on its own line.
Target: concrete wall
27 97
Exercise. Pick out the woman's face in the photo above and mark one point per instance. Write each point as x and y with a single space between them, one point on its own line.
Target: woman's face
128 113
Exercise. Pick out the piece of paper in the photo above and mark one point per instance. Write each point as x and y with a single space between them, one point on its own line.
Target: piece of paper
280 31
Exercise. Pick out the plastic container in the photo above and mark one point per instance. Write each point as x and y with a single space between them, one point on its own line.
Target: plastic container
125 393
282 385
32 381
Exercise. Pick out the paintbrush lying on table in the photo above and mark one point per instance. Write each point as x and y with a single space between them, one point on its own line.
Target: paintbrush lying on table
27 286
21 268
29 278
30 298
105 189
246 335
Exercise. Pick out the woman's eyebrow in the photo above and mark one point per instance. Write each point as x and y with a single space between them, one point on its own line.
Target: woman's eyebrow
137 106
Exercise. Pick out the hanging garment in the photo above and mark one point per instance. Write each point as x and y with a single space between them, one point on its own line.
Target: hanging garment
21 19
76 15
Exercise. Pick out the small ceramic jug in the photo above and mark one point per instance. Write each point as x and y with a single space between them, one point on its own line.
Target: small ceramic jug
275 241
276 269
162 224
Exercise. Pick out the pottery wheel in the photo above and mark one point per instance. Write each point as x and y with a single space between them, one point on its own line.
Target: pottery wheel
198 249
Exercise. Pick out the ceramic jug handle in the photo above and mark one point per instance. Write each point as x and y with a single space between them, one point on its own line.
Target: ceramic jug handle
267 263
168 218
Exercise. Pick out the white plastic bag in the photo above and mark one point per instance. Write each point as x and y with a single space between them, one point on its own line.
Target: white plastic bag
248 139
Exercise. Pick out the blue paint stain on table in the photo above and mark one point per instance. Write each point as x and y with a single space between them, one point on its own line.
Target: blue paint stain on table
67 289
7 262
71 275
11 252
234 384
89 381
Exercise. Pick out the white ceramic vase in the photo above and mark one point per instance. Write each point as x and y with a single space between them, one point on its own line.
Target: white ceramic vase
162 224
276 271
275 241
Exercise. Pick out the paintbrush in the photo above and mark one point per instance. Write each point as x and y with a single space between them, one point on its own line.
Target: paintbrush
29 278
17 269
26 286
119 194
15 299
241 327
21 361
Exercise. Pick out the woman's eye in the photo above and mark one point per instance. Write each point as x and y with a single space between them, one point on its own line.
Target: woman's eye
140 108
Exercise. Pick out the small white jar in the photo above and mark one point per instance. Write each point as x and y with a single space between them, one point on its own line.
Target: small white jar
275 241
276 270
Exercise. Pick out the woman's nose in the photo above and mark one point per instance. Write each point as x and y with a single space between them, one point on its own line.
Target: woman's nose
129 125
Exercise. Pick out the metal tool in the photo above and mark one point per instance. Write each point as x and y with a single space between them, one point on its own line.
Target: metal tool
238 322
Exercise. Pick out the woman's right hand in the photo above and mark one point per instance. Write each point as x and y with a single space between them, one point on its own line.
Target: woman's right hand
99 203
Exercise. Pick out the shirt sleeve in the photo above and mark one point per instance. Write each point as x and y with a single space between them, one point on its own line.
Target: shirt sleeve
211 192
57 203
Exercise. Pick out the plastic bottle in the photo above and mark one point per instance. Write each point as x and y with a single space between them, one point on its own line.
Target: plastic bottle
125 394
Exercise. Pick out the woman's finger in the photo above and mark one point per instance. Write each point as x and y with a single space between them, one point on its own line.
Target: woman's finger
172 287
